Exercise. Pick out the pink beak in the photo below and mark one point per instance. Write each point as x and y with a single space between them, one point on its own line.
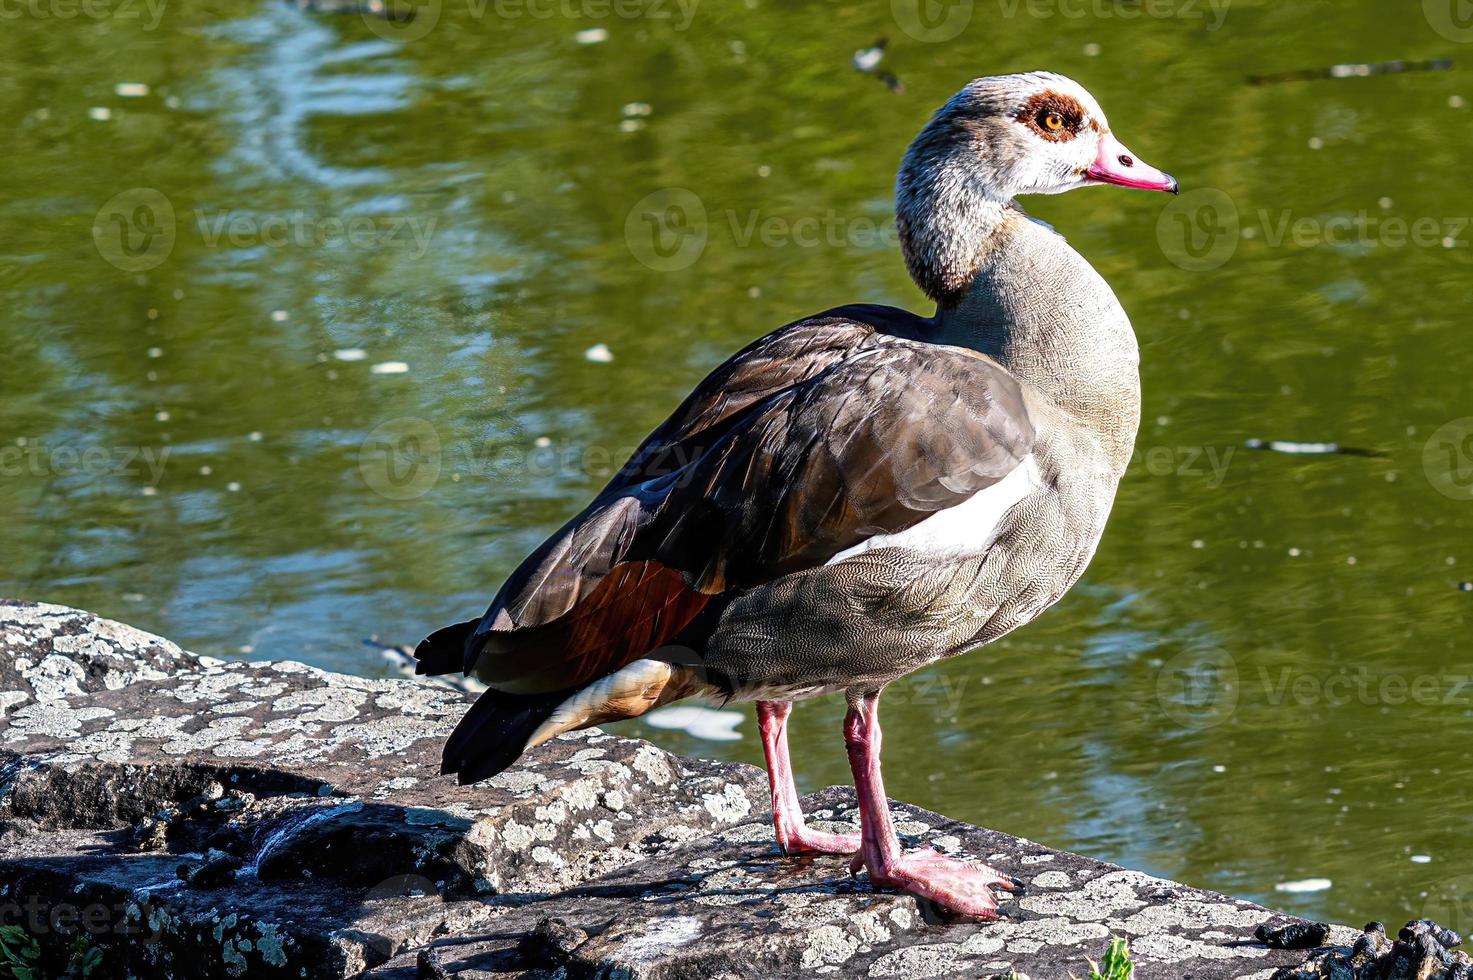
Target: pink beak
1117 165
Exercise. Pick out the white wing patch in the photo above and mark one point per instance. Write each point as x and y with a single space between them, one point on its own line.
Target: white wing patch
965 529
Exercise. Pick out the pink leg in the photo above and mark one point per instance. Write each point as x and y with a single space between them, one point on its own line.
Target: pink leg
793 835
961 887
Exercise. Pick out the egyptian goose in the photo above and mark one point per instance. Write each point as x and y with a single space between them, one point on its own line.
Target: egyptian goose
852 497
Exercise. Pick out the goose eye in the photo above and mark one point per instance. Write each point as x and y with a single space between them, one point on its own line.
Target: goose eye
1053 122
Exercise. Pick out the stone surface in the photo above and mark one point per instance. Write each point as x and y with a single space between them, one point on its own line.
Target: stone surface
49 652
193 818
731 906
321 788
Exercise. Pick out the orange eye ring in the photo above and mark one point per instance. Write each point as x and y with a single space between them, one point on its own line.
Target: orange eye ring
1053 122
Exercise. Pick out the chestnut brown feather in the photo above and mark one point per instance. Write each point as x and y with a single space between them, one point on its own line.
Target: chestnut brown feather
635 608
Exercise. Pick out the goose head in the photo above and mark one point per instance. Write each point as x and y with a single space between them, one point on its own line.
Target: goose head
995 140
1037 133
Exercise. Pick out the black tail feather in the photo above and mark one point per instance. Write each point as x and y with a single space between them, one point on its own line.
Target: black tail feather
494 732
443 651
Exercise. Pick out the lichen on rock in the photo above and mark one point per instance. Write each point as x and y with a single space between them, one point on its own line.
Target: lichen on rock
226 820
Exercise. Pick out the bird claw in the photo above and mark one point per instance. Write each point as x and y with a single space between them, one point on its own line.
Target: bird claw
806 841
960 887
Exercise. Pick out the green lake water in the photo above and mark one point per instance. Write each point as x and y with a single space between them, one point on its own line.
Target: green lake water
297 310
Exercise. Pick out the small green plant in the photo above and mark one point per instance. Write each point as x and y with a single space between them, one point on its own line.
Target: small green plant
20 955
85 958
1116 964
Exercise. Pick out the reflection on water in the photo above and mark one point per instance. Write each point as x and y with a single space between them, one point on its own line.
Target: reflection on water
303 322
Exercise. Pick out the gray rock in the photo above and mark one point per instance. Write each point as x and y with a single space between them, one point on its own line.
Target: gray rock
731 906
49 652
1422 950
323 788
192 818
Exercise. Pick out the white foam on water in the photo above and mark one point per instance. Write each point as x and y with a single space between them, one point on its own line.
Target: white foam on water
1303 886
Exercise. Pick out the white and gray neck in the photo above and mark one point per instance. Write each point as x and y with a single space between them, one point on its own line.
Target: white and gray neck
1012 288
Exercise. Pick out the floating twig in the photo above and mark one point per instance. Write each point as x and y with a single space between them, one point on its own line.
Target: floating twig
1353 71
1310 448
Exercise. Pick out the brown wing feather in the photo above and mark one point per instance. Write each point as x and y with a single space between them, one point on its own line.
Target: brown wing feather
637 607
875 444
808 442
782 359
